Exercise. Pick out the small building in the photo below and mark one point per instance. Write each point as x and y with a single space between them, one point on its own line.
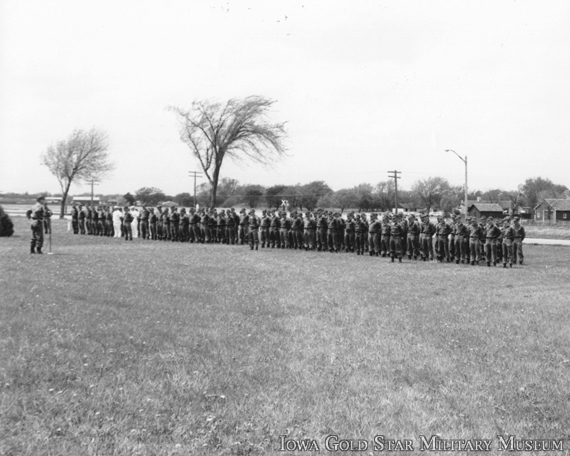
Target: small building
553 211
479 210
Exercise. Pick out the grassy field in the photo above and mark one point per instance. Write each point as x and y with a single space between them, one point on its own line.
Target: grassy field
110 347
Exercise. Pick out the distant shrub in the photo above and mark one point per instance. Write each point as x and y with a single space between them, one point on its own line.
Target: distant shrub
6 225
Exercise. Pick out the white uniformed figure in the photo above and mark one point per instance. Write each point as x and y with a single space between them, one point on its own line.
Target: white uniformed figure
136 215
117 214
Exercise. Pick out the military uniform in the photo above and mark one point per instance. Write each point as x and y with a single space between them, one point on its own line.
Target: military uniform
349 234
427 230
491 235
508 234
374 231
145 216
82 222
310 228
36 215
442 231
413 239
254 224
75 219
518 241
359 233
396 233
322 225
243 227
474 242
385 236
127 223
152 224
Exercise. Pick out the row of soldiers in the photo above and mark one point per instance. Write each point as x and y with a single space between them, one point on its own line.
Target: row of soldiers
384 235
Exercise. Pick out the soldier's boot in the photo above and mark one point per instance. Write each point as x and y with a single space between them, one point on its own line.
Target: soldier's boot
32 249
472 263
504 265
409 257
251 246
488 264
510 265
371 253
521 262
256 246
456 261
39 250
400 259
377 254
392 258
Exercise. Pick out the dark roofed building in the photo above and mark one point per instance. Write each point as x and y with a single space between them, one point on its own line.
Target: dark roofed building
553 211
479 210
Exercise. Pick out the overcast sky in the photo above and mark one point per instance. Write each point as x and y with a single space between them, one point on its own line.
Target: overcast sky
365 86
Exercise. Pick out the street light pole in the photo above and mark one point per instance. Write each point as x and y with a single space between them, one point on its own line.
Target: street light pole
464 160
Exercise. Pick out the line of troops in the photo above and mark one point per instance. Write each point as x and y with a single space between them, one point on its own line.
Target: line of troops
384 235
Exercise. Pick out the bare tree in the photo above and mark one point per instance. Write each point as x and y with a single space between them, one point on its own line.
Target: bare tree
237 129
82 156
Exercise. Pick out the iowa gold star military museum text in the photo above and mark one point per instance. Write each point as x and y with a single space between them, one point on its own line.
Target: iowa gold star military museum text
381 443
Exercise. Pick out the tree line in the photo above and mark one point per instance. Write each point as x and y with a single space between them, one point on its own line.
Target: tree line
240 129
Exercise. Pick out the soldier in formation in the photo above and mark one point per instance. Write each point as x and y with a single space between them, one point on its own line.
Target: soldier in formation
385 235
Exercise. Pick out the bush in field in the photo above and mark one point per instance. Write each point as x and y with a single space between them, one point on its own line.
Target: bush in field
6 225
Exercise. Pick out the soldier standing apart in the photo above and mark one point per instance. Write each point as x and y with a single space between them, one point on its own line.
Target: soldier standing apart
75 219
518 241
508 233
491 235
128 221
36 215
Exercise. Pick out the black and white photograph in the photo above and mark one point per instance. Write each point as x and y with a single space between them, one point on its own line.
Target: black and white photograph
247 227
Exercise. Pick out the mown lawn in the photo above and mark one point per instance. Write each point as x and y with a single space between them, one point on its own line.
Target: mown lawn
154 348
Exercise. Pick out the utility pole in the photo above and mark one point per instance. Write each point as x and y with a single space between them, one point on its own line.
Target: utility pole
395 176
93 182
195 174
